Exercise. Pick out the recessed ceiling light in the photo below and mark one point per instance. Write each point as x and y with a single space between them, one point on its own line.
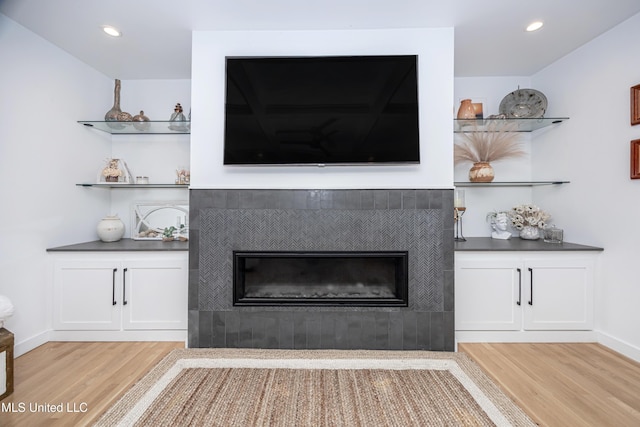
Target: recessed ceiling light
535 26
114 32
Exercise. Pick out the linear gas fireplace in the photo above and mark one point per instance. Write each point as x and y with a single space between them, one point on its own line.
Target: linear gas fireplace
337 278
321 269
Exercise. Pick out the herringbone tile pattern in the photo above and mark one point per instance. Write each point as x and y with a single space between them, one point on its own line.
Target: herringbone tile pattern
417 231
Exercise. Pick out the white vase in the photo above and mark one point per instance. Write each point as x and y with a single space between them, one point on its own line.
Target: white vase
530 233
110 229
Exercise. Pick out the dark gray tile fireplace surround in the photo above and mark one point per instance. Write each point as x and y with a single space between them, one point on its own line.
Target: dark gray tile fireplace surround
417 221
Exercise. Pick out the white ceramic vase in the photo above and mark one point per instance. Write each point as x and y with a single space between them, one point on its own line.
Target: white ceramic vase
530 233
110 229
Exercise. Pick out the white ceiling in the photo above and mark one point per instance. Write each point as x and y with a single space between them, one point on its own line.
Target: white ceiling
156 44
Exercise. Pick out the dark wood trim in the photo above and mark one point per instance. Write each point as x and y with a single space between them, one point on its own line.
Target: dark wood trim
6 347
635 105
635 159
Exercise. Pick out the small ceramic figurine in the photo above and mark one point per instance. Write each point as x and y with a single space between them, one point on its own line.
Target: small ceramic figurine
499 225
178 115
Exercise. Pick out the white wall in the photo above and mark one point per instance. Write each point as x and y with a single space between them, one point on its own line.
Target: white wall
43 151
434 48
601 205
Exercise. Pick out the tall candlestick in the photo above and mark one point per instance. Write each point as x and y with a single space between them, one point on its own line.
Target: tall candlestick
458 199
458 212
459 207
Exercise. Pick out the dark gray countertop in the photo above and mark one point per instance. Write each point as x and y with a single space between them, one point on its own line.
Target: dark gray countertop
472 244
123 245
518 244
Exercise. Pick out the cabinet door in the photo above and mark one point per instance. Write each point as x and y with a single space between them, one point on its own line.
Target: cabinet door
86 295
155 293
487 295
559 294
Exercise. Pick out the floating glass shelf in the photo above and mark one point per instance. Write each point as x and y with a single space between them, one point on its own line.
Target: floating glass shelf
521 125
140 128
508 183
128 186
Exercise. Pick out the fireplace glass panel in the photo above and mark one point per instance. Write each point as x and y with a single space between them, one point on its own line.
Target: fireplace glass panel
320 278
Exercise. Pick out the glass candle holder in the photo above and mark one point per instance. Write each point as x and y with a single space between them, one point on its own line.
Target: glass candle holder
553 234
459 208
458 199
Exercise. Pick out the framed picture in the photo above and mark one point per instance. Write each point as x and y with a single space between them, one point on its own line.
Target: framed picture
635 105
635 159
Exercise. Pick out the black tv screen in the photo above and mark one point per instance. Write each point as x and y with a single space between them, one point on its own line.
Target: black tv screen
321 110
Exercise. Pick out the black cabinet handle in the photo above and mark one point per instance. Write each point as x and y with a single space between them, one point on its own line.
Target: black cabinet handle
113 287
531 288
519 302
124 287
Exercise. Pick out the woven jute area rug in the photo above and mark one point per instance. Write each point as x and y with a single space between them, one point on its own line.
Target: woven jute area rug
246 387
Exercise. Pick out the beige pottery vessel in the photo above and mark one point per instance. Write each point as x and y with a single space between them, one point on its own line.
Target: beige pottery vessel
481 172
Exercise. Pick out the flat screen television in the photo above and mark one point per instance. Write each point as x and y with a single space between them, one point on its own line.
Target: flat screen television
325 110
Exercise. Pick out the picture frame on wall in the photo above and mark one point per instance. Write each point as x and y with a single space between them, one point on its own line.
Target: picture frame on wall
635 105
635 159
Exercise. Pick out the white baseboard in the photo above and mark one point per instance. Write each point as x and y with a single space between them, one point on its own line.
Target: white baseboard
619 346
613 343
606 340
29 344
525 336
155 335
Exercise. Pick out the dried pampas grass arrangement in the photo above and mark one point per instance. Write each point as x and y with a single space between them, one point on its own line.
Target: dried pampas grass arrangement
498 141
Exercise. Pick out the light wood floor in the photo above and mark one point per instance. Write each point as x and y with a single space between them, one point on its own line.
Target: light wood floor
556 384
565 384
82 376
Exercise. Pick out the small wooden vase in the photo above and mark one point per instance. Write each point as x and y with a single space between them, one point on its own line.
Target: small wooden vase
481 172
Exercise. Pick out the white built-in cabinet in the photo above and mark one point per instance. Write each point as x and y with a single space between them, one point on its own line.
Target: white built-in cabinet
524 296
120 295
